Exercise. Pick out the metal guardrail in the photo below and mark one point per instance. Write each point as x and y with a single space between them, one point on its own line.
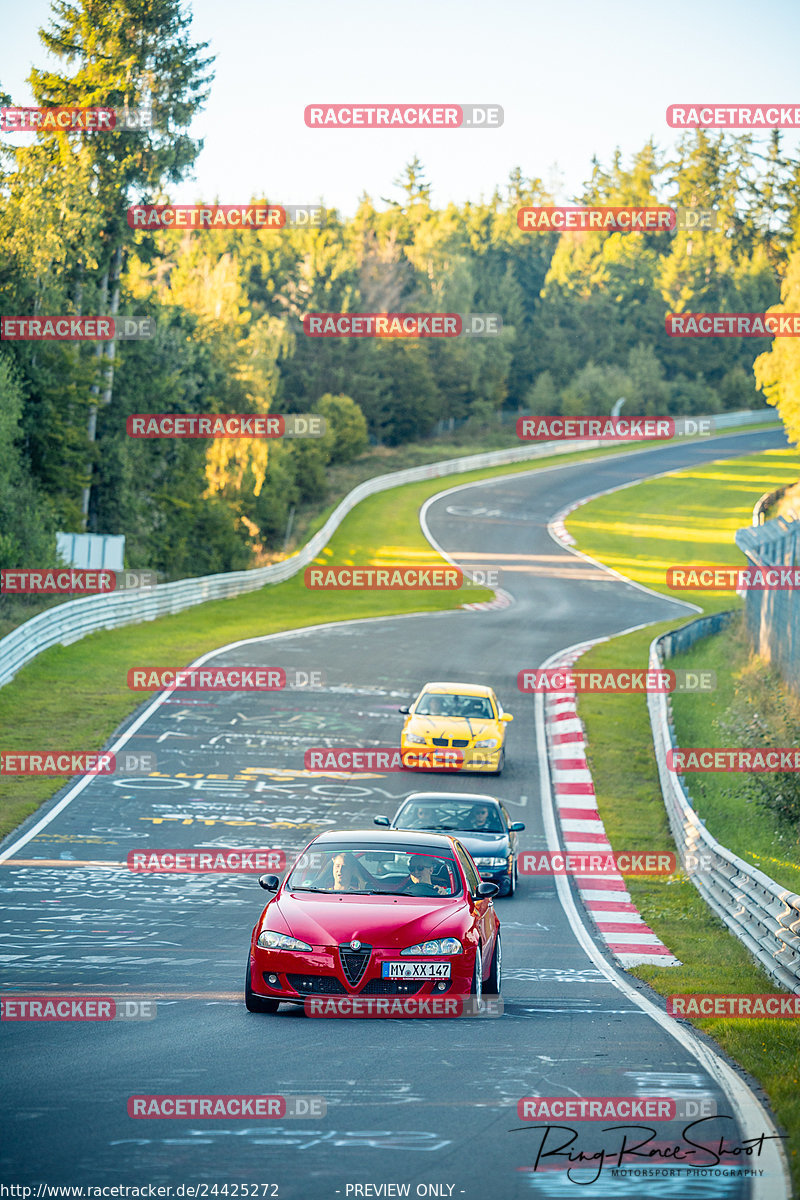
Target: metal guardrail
773 543
761 913
764 503
74 619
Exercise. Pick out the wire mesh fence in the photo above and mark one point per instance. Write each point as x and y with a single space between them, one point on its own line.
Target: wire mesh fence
773 614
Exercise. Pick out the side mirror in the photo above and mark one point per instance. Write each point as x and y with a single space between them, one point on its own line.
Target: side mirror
380 820
485 890
517 826
506 717
405 710
270 883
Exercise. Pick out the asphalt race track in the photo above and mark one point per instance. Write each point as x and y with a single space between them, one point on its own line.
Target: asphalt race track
424 1102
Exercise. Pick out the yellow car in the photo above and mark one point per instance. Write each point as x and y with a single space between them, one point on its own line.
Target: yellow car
466 716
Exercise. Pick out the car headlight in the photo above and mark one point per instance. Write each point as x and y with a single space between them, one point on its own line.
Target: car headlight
490 862
488 742
268 940
439 946
415 739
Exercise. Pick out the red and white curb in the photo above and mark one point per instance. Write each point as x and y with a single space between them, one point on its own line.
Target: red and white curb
501 600
605 897
558 526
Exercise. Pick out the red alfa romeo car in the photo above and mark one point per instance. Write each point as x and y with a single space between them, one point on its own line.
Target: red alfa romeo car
375 913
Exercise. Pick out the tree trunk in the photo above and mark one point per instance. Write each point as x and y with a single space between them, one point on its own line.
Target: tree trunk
108 351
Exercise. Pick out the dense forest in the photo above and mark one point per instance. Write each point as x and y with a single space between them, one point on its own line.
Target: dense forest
583 313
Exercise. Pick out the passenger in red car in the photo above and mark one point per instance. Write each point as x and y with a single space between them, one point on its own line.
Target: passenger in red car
346 875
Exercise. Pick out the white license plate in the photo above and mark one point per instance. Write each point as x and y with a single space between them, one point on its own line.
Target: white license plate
415 970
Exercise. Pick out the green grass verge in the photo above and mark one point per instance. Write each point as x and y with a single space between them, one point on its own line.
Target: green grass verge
750 707
629 531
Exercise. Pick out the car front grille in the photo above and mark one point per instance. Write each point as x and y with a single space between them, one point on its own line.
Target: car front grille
326 985
460 742
354 962
440 741
391 987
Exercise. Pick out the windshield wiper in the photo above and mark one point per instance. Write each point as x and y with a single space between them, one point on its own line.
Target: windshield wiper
309 889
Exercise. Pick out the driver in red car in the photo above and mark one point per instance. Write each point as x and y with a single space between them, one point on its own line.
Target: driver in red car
419 881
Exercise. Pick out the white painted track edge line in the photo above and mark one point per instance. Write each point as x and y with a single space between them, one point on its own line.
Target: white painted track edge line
158 700
563 513
423 512
747 1108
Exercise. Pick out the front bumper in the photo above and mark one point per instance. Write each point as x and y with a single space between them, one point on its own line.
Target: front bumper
290 976
502 876
473 759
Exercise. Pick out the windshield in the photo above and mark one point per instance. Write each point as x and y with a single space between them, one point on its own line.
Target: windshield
436 704
465 816
378 870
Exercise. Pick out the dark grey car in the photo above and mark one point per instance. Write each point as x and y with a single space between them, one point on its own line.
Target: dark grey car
480 822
